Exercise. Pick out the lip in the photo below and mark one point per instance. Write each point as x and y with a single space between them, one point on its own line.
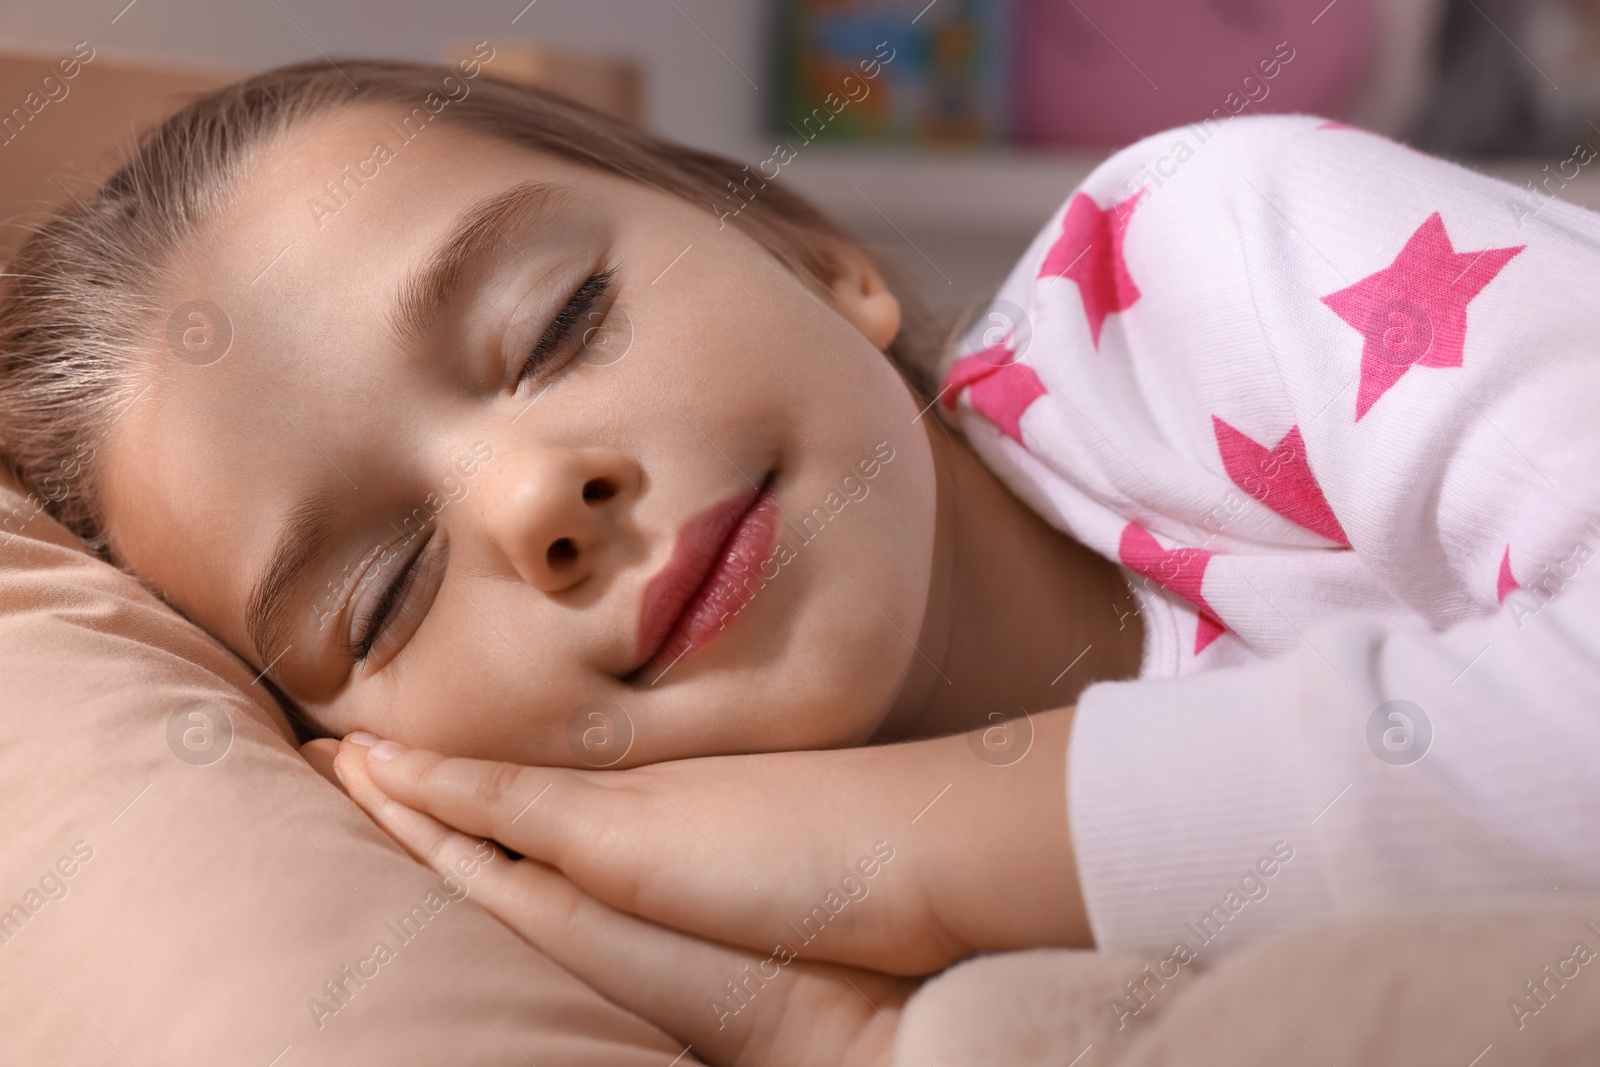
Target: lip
686 605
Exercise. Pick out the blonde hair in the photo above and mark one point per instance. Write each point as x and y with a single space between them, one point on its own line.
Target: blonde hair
81 296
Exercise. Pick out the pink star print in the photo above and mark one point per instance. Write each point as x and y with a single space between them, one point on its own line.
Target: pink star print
1505 584
1180 570
1279 477
1415 309
1089 251
1000 389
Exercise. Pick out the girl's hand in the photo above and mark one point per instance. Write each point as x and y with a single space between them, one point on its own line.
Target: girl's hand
728 1005
901 858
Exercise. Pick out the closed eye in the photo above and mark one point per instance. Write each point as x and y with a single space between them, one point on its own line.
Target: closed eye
397 603
577 309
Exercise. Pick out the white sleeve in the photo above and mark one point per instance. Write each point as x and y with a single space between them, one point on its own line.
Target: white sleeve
1180 787
1478 484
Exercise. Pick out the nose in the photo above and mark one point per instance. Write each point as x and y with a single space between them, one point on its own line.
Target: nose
551 512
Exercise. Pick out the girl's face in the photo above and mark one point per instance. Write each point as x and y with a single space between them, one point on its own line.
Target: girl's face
506 412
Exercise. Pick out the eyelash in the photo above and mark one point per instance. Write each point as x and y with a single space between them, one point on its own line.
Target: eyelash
591 292
377 620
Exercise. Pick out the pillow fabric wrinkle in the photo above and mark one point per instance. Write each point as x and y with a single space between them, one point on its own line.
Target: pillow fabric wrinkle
162 902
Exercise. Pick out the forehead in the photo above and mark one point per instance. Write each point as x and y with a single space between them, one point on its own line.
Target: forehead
297 278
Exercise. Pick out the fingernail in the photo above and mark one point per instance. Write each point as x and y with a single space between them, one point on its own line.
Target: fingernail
384 751
361 737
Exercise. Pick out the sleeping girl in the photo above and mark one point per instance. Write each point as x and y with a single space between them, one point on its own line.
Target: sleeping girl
797 652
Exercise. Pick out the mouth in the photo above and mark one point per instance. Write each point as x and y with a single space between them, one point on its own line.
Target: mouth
707 580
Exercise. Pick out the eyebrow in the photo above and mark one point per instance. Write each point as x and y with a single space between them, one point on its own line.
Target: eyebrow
478 232
305 534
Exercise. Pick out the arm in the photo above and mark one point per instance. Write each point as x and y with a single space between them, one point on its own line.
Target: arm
1491 788
1348 412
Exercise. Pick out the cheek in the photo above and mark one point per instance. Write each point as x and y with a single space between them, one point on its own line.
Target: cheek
461 689
868 574
862 583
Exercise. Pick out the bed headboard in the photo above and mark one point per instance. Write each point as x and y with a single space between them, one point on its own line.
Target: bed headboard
65 117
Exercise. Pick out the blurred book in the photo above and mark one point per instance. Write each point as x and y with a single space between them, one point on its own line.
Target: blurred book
891 71
1104 73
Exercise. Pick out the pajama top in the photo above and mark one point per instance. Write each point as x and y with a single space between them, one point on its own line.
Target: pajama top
1334 407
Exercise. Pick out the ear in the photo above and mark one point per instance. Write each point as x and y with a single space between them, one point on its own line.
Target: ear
863 297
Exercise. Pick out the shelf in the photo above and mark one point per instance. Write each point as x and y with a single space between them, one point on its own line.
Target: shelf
1000 192
953 192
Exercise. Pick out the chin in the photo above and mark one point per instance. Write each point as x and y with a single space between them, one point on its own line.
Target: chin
847 700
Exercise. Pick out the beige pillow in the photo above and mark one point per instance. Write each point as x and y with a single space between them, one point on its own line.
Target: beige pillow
177 884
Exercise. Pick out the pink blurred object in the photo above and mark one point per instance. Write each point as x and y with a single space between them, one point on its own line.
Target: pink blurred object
1103 73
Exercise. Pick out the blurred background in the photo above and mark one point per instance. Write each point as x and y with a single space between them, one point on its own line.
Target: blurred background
943 132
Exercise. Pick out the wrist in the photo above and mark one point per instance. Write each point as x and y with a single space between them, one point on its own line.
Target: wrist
997 861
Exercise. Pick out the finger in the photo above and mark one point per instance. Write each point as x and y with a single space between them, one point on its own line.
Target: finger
730 1005
425 838
624 841
483 797
626 846
319 754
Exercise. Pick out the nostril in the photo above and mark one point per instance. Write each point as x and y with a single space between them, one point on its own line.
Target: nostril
598 489
561 552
